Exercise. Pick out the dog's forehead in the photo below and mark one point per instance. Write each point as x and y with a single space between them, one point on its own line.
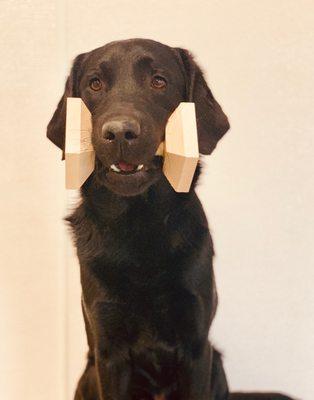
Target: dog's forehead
131 51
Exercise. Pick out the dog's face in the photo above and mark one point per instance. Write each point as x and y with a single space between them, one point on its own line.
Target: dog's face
131 87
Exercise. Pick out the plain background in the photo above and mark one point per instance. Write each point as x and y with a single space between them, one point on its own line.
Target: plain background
257 187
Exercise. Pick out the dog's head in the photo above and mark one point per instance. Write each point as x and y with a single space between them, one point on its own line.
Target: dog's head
131 87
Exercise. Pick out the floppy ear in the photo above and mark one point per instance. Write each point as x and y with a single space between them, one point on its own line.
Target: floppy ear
212 123
56 126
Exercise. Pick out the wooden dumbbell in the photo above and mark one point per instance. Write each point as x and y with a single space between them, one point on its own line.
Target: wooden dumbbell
180 149
79 152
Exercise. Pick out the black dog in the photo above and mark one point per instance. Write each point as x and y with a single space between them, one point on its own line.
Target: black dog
145 251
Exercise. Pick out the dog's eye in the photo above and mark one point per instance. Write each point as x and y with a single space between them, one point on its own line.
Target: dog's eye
158 82
95 84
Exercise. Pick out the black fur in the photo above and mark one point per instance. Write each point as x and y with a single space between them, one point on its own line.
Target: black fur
145 251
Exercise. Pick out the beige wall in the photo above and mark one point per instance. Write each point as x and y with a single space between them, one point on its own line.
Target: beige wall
257 188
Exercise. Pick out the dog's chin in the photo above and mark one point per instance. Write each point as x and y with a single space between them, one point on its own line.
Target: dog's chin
132 184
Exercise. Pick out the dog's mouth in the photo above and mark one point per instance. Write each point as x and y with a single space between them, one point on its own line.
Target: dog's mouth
128 178
125 168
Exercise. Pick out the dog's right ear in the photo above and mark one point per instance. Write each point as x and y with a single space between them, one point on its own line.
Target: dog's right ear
56 126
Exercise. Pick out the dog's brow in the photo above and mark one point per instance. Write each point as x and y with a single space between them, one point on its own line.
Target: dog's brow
105 68
143 60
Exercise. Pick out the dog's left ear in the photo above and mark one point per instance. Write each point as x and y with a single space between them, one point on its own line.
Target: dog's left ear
212 123
56 126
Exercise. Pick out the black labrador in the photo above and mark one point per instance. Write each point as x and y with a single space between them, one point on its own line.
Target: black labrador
145 251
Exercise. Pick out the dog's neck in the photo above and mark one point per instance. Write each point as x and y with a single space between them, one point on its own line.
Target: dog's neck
108 207
158 218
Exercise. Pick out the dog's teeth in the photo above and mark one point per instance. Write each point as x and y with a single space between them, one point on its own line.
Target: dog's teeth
139 167
115 168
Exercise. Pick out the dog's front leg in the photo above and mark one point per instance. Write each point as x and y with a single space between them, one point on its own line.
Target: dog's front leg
194 376
112 359
113 377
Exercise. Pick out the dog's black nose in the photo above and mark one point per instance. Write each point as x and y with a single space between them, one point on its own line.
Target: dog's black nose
120 130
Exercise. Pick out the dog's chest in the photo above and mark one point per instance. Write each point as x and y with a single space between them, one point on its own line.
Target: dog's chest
139 279
139 257
141 275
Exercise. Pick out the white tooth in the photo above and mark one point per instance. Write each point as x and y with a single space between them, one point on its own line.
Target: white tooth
139 167
115 168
